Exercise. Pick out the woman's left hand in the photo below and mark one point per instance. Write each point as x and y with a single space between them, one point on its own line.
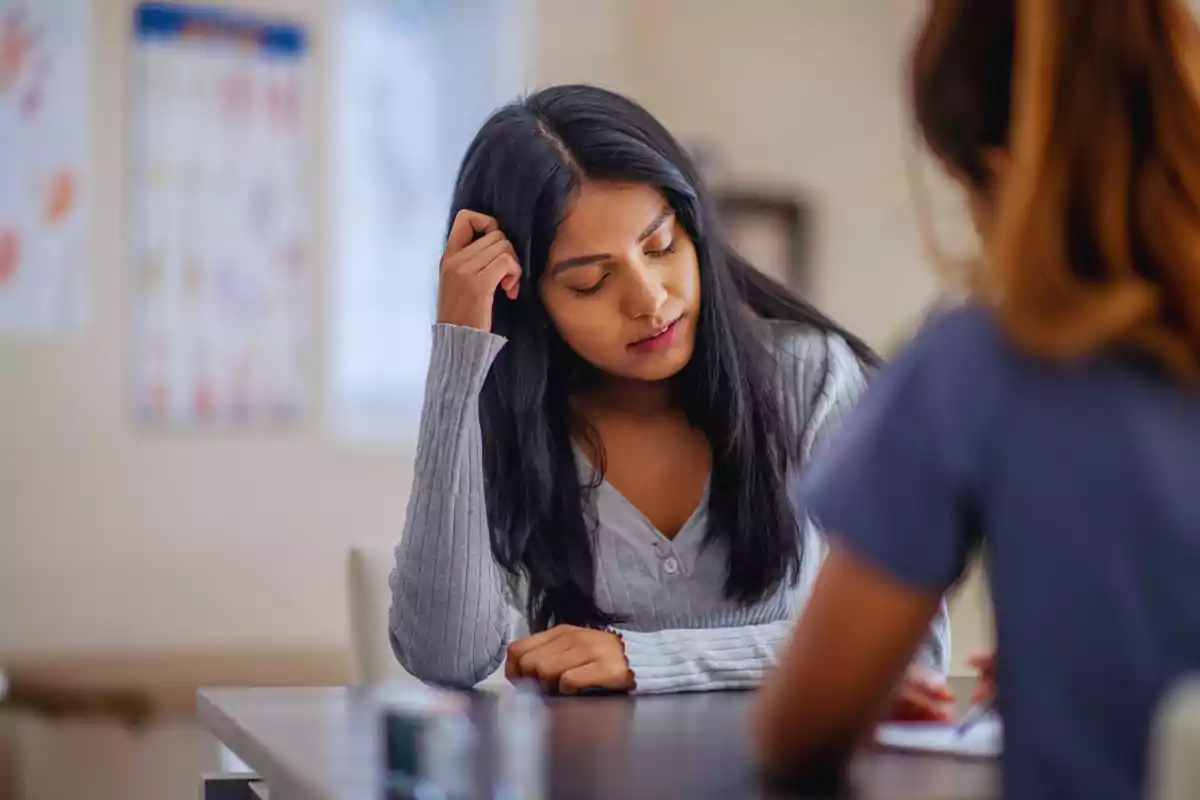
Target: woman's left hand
923 697
568 659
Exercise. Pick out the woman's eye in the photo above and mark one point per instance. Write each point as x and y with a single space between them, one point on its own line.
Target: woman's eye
588 290
663 251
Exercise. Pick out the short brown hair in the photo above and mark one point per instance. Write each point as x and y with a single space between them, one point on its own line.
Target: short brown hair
1095 242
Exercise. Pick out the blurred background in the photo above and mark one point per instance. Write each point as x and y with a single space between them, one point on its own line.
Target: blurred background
191 442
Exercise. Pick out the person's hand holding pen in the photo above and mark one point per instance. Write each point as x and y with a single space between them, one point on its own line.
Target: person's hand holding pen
983 698
923 697
985 690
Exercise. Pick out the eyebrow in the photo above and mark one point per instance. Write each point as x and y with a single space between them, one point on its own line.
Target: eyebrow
582 261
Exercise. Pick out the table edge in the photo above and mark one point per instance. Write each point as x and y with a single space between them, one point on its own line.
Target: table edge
251 752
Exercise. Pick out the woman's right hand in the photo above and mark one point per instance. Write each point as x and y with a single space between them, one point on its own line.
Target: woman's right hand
472 269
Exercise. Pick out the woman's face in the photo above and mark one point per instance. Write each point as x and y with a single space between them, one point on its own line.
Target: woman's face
622 283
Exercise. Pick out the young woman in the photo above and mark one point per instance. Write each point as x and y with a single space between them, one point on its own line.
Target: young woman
1056 418
616 403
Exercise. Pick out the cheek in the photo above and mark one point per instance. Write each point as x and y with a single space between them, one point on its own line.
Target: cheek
589 327
686 279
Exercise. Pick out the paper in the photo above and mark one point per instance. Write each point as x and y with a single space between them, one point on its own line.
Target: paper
985 739
44 123
220 256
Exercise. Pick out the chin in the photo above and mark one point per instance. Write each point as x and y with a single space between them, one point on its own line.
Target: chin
659 366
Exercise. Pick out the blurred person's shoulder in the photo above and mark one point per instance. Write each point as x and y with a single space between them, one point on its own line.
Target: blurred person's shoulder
950 381
957 354
958 335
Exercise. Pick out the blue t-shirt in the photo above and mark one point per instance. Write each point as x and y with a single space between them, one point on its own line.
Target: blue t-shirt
1082 484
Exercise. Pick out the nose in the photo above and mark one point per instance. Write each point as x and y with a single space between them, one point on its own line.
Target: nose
646 295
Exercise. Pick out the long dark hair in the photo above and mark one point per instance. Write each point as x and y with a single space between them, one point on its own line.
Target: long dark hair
523 168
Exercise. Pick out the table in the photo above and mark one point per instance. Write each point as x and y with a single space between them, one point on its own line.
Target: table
316 744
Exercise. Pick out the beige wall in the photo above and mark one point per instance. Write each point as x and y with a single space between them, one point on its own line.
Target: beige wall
115 538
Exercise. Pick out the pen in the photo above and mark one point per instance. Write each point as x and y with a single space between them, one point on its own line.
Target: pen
975 713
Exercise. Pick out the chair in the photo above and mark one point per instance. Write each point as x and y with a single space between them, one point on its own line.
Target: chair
370 598
369 601
1175 753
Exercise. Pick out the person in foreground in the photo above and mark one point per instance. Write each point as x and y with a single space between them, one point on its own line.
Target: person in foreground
607 441
1054 419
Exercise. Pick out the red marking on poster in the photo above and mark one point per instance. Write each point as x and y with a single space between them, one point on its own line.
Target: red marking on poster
60 196
10 253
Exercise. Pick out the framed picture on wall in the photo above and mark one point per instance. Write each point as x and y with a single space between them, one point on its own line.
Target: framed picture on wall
770 230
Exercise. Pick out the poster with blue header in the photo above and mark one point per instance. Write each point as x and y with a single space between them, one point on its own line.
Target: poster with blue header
220 251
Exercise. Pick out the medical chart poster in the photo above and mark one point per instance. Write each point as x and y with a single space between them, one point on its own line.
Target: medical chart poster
220 251
44 123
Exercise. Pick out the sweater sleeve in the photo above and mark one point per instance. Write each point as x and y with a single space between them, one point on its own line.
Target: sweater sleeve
450 617
703 659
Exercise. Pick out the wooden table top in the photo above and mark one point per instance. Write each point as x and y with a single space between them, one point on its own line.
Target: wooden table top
317 744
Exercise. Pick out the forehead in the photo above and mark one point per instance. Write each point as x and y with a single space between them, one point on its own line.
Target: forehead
605 216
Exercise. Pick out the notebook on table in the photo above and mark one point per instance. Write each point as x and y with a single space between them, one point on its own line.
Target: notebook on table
984 739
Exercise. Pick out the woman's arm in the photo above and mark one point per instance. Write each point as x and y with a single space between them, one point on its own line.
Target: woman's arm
897 495
449 620
835 680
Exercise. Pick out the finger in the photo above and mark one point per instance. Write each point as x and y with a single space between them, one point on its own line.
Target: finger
466 226
592 675
933 688
523 646
916 707
471 258
553 667
512 669
926 706
486 257
535 660
984 690
984 662
506 272
473 262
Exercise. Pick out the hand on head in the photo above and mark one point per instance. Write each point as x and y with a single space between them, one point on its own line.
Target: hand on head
478 259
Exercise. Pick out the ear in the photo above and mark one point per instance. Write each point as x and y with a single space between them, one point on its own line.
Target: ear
982 202
997 161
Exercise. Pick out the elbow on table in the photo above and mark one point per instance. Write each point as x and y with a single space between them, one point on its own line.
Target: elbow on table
452 671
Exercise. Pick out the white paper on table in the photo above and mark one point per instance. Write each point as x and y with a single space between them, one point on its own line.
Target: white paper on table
985 739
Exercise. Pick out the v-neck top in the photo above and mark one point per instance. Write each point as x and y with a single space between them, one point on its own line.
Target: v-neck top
454 610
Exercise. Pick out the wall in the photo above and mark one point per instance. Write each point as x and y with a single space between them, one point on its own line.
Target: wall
112 538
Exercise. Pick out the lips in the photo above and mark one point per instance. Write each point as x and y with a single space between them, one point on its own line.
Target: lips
660 339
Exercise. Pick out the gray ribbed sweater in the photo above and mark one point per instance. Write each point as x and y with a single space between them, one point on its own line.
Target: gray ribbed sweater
454 611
